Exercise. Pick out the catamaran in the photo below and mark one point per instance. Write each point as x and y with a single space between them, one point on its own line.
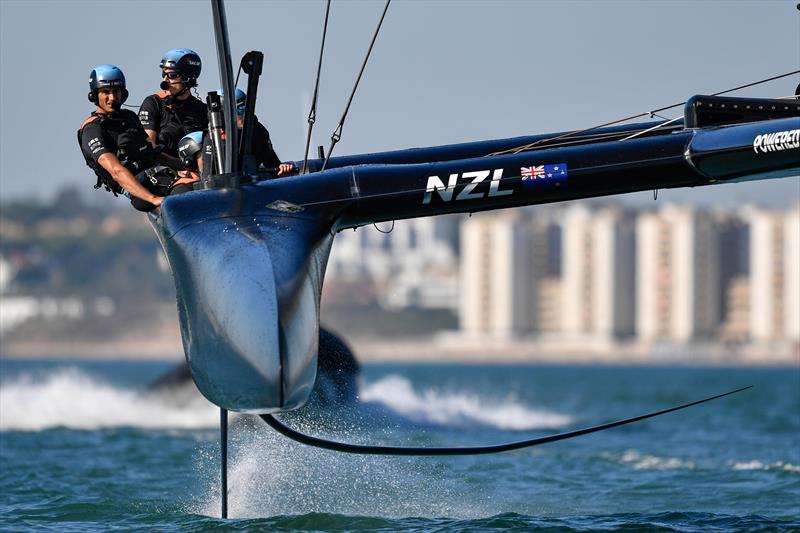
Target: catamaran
248 253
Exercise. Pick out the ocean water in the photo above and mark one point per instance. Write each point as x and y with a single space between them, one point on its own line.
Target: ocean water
83 448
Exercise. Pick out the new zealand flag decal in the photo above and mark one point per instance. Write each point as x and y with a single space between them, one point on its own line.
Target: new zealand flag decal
544 176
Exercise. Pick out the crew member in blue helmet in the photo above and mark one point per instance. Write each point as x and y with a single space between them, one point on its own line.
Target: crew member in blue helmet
194 149
191 149
172 113
262 145
114 145
113 142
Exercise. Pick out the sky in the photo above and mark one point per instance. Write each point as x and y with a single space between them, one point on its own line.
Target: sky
441 72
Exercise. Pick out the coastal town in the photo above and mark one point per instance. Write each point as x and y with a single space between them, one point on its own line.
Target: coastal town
597 281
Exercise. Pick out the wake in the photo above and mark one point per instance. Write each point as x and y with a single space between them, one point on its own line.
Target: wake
69 398
458 408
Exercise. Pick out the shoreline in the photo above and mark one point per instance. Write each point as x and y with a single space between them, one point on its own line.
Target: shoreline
425 351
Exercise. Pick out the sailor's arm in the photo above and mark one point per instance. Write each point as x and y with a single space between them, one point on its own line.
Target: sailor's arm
152 137
127 180
265 152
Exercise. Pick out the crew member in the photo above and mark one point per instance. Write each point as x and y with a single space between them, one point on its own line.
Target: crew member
194 149
190 153
172 113
114 144
261 144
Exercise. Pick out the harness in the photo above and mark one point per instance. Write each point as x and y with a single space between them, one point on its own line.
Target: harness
172 128
133 151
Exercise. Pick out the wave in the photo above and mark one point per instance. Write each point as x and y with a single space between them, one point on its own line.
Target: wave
758 465
458 408
67 397
686 522
645 461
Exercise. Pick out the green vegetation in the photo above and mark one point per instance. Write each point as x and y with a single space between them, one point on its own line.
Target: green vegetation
69 248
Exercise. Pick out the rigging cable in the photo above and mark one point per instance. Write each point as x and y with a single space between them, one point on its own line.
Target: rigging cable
571 138
317 442
387 232
638 115
312 115
670 121
337 134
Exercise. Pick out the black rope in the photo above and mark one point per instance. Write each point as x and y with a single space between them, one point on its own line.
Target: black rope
387 232
638 115
312 115
308 440
337 133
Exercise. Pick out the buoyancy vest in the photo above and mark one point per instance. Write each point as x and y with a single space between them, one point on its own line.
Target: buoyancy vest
132 149
172 127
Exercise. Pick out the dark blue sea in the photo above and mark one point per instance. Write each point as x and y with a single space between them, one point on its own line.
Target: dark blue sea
84 448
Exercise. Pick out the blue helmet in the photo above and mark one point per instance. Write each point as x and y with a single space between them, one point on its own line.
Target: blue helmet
188 148
184 60
104 76
241 99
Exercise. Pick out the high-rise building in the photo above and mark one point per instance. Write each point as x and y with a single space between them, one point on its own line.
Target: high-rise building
496 276
598 286
774 274
677 275
734 281
505 258
792 255
736 324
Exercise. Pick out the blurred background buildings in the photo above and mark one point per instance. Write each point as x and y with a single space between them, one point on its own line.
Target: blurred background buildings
588 277
592 276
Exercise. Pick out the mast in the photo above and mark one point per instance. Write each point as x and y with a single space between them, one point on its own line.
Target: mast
229 167
230 160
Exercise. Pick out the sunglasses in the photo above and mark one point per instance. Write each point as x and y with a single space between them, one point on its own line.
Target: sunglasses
172 75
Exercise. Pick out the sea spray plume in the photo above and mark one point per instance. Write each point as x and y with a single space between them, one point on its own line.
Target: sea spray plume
270 476
68 397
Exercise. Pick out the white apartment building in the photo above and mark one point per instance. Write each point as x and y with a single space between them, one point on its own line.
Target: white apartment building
496 288
774 274
792 258
508 284
677 275
598 277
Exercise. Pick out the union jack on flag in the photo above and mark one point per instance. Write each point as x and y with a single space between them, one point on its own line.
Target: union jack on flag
531 173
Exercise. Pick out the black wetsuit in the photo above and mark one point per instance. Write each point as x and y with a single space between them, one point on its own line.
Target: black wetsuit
171 118
263 151
262 147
